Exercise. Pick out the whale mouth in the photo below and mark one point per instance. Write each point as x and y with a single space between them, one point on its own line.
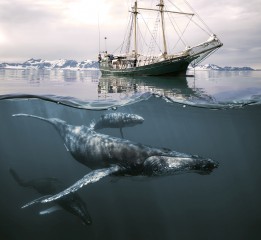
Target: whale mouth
139 120
204 166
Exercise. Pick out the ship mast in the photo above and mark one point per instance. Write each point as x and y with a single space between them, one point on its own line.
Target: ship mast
161 9
135 12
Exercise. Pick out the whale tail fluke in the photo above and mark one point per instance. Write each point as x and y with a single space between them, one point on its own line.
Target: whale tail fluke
17 178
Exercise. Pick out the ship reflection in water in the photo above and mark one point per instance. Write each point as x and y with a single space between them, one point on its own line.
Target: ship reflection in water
176 89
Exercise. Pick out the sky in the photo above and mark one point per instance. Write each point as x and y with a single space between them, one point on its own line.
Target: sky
71 29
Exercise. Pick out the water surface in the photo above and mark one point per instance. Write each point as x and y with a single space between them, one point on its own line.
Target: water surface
214 114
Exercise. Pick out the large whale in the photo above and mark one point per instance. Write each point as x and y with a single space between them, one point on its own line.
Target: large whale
71 203
107 155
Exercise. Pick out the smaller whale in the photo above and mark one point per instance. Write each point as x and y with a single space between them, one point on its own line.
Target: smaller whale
117 120
71 203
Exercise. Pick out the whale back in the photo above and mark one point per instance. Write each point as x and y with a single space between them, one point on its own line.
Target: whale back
117 120
97 150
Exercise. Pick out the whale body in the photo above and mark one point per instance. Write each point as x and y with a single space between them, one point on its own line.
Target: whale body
117 120
107 155
71 203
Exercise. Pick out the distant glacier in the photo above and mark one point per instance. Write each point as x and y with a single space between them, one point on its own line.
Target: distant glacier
91 64
218 68
55 64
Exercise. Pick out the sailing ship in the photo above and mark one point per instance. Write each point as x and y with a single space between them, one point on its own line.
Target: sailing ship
136 63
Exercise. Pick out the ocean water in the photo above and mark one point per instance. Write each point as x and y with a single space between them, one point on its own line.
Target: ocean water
214 114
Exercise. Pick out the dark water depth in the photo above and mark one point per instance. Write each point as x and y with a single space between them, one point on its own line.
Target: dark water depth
222 205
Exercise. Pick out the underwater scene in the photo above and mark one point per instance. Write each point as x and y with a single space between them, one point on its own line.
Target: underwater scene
85 156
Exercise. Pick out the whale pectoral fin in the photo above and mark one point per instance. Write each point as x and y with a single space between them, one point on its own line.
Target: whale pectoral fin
38 200
91 177
50 210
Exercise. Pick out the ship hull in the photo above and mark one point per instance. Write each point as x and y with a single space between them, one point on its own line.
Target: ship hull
169 67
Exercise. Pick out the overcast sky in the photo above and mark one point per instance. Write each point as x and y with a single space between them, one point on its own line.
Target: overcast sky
54 29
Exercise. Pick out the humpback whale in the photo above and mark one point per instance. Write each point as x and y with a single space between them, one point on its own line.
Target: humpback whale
71 203
106 155
117 120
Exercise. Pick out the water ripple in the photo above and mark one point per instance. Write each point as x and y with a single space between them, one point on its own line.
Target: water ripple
200 102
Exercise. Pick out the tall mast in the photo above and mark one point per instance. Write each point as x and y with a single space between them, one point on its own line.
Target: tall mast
161 9
135 12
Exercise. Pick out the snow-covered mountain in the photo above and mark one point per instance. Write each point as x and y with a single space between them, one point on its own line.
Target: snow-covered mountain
90 64
55 64
218 68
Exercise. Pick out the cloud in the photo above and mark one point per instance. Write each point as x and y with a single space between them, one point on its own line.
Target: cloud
16 13
54 29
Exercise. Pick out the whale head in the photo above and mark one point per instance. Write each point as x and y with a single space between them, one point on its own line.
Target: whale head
202 166
136 119
171 165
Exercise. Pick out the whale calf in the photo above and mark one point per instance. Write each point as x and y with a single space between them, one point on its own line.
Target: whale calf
117 120
107 155
71 203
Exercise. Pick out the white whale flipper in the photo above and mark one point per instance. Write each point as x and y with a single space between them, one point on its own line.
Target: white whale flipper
91 177
38 200
50 210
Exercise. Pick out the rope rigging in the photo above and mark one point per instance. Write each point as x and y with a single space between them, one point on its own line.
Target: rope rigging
209 32
206 26
127 49
180 35
153 38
